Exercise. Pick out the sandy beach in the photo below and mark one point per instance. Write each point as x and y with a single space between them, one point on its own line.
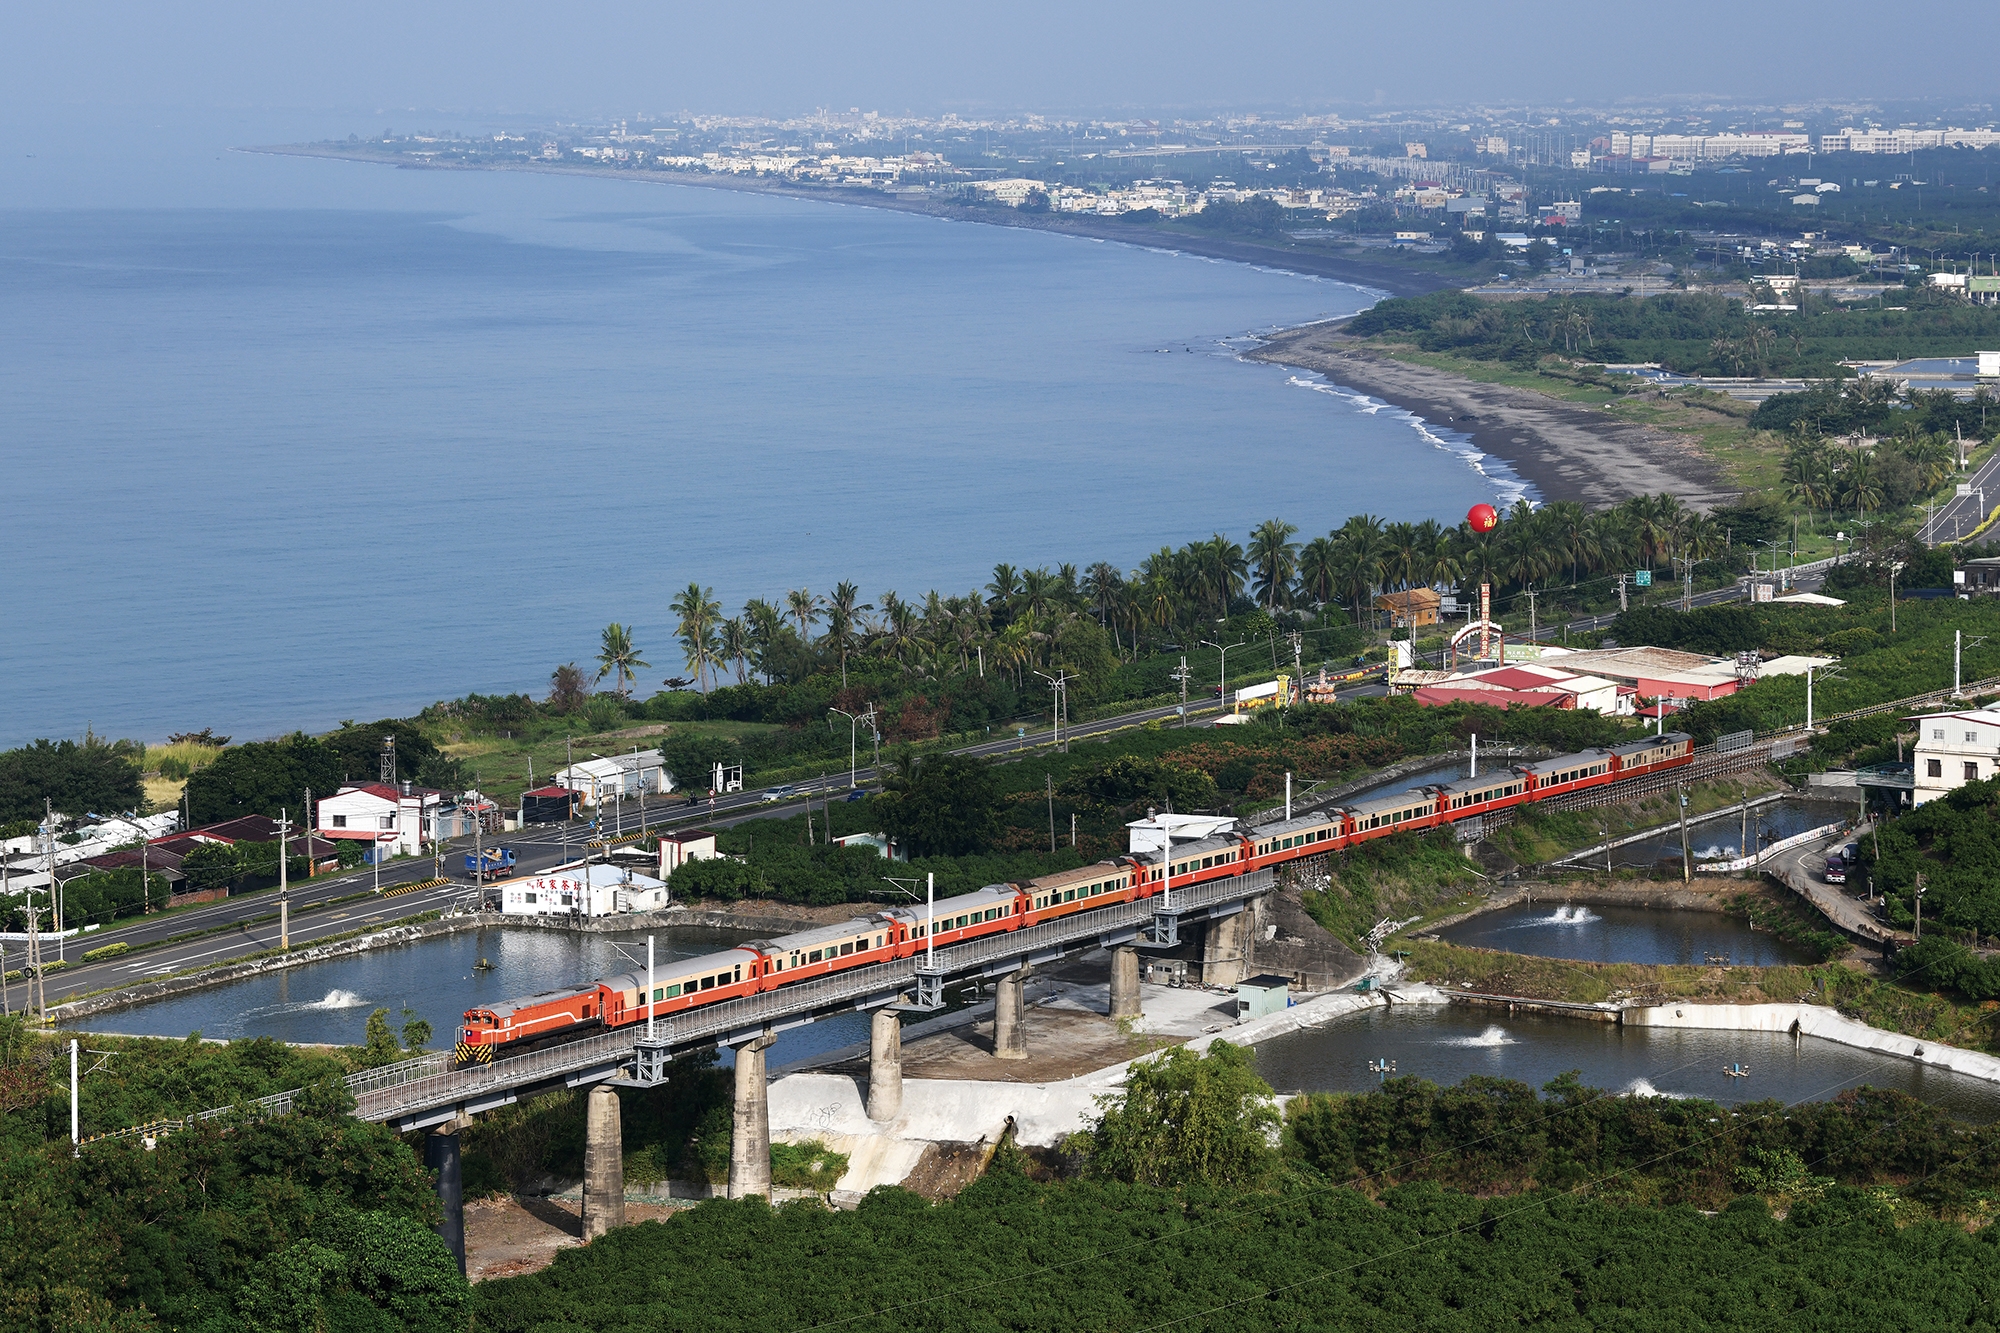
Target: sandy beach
1565 450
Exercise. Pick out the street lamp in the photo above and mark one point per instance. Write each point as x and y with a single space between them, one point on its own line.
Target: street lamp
1223 680
1059 684
853 732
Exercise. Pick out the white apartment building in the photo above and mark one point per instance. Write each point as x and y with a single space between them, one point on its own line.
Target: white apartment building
1954 749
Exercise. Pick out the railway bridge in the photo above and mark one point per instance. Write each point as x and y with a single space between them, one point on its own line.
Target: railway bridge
428 1093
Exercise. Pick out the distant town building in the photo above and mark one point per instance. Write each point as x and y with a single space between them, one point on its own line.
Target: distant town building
677 849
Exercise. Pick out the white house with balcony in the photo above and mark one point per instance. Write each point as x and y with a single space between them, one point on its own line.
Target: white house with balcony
1954 749
397 819
598 779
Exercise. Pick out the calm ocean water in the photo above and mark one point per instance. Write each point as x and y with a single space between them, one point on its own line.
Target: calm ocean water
353 439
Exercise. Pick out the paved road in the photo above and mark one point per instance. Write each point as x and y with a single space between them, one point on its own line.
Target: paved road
1804 871
1962 513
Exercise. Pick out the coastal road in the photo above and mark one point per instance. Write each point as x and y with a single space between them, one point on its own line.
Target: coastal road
1962 513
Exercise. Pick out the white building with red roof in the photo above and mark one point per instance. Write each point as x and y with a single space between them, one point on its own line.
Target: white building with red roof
398 819
1531 685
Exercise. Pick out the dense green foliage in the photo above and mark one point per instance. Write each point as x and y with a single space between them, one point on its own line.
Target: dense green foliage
91 777
1088 1255
1953 843
1496 1135
1184 1118
939 804
264 777
1689 332
311 1220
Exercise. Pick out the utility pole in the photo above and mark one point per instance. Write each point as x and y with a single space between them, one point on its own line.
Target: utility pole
1072 830
1895 567
1687 871
1922 888
284 889
1180 674
1622 604
1531 595
569 806
1049 781
55 894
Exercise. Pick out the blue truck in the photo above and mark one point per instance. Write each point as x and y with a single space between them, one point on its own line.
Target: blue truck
499 863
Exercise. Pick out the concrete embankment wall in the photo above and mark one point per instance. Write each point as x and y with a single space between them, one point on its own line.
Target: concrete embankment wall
1814 1020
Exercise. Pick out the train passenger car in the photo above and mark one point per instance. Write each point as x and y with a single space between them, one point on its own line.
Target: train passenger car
1196 862
1096 885
814 953
530 1017
1392 814
1566 773
1653 754
957 919
1274 844
1476 796
683 984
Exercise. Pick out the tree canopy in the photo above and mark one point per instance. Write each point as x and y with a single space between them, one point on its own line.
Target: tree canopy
87 777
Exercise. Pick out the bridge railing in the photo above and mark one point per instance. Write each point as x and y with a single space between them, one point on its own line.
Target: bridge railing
417 1085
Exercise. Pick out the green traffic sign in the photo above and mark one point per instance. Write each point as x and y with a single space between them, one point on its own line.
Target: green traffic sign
1644 578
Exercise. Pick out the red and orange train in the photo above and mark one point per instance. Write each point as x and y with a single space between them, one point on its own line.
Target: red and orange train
899 932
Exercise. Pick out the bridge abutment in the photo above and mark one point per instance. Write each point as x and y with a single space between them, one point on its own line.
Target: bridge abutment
750 1141
1124 982
603 1163
1010 1033
1226 948
441 1156
885 1066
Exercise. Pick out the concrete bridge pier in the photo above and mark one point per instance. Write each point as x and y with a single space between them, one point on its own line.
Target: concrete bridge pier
750 1144
1010 1033
441 1156
885 1066
603 1163
1124 982
1226 949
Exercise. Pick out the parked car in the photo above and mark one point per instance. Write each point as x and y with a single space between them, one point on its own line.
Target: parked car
1836 869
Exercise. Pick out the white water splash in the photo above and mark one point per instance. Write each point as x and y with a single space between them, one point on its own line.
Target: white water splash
1569 914
1640 1087
333 1000
1493 1036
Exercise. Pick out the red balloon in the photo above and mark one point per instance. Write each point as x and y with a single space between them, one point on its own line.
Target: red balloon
1483 518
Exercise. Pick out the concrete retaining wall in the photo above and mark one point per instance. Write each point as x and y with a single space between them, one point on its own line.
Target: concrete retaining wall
1814 1020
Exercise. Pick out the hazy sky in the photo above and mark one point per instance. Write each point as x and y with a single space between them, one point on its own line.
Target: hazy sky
780 56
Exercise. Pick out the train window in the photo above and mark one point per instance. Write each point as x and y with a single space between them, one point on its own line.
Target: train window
708 983
813 957
878 941
846 949
674 991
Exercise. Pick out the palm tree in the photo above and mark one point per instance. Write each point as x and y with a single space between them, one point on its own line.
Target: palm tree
735 645
1569 522
1859 490
1317 561
1402 550
1356 570
1005 588
699 614
765 621
803 607
1102 582
618 657
1040 592
842 610
1276 558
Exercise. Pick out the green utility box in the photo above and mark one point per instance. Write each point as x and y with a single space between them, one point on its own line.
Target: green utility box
1260 995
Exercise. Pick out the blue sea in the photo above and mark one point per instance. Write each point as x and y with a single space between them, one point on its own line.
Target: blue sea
287 441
